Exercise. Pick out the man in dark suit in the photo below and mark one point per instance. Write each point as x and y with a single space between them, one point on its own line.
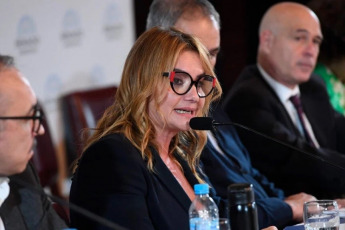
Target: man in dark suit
21 206
281 98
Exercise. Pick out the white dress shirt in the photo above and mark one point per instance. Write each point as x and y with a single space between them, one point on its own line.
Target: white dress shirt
214 142
4 192
284 93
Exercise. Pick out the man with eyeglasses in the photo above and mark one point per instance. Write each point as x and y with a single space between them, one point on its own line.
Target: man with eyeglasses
21 207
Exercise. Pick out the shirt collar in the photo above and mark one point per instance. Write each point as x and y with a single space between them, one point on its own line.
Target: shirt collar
4 189
283 92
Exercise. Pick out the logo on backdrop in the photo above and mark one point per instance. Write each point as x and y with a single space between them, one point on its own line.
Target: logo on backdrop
113 22
27 39
71 33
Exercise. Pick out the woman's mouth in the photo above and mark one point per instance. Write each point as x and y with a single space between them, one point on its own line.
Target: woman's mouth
182 111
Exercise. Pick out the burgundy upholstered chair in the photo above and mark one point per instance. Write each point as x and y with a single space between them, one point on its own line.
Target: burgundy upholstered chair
81 110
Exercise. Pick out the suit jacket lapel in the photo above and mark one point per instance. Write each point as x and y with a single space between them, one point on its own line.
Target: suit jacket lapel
169 181
10 212
310 105
284 115
228 146
23 208
30 208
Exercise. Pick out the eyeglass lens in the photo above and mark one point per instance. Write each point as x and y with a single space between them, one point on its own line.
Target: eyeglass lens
183 82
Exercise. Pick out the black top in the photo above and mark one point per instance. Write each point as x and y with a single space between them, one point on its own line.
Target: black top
113 181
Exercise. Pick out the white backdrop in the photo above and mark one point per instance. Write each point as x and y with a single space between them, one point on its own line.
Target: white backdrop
65 45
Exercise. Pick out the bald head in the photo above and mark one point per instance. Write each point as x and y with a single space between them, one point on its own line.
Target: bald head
283 15
289 41
13 86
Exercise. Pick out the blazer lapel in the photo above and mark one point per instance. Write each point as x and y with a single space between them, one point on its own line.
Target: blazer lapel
10 213
187 172
23 208
30 208
310 106
284 115
171 184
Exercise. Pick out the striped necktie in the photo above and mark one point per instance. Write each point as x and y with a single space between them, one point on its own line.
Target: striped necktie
296 101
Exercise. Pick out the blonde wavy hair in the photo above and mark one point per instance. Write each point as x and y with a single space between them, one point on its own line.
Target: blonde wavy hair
156 51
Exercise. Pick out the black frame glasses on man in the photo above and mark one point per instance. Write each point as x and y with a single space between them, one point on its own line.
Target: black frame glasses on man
181 82
37 118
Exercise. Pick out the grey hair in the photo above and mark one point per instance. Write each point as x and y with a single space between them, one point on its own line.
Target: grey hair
6 62
165 13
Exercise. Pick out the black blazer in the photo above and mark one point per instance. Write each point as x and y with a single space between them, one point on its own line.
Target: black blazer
113 181
252 102
26 207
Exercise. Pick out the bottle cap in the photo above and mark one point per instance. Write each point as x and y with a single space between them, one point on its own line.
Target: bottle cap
240 194
201 189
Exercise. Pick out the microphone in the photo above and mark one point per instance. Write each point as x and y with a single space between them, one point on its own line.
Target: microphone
207 123
202 123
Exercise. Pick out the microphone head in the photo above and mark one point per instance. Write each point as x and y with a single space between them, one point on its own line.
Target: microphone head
201 123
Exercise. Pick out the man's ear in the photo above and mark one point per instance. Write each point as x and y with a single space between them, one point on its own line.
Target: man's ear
266 40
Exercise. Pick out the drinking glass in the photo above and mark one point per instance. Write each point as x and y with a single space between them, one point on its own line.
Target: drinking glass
321 215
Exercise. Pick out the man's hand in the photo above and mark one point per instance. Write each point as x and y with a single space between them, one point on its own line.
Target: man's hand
296 202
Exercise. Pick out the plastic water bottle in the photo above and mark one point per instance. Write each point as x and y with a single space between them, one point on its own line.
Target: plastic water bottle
203 212
242 207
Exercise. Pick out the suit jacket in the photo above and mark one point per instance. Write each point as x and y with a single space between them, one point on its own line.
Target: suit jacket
252 102
26 207
234 166
113 181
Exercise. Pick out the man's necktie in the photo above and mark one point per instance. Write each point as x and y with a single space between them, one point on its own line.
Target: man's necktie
298 106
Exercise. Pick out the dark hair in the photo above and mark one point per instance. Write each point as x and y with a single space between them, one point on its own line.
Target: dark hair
6 62
165 13
332 20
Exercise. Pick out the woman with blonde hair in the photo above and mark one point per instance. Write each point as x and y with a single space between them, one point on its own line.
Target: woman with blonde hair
140 165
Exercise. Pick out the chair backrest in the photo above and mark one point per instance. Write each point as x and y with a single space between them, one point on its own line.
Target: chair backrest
45 161
81 110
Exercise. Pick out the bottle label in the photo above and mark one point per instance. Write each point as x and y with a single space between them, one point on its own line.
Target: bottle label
203 224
